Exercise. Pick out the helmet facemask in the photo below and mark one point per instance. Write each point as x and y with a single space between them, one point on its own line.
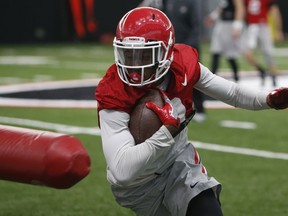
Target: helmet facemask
139 62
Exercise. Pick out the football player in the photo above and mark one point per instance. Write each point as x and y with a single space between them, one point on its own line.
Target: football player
160 4
164 175
258 30
227 33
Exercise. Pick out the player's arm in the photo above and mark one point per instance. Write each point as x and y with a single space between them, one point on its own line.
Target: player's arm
229 92
239 10
144 3
213 16
240 96
276 14
238 22
127 161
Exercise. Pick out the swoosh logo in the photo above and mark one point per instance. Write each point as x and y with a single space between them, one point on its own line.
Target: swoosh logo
192 186
185 80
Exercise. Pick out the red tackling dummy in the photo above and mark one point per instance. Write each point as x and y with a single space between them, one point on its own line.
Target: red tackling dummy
41 157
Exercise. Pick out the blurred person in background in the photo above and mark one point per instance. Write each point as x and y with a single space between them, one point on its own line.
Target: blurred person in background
185 16
159 4
258 31
228 18
83 17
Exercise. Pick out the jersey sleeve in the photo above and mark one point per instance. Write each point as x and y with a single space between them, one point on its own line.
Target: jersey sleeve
127 163
230 92
185 65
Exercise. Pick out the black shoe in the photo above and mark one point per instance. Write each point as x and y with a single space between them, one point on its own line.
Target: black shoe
274 82
262 75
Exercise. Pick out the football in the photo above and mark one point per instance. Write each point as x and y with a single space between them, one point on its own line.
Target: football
143 121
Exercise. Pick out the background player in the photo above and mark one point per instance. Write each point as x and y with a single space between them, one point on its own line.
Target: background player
186 17
227 32
258 30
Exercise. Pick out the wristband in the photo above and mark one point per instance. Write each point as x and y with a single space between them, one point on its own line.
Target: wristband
214 15
237 25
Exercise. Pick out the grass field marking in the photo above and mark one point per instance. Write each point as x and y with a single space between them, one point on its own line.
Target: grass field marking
96 132
89 66
26 60
61 128
15 102
46 85
242 151
215 104
50 62
238 124
281 51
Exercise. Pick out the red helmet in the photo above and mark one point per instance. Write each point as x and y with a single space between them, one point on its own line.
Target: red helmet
144 39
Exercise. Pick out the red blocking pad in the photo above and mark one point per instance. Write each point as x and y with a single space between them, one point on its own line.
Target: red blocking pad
41 157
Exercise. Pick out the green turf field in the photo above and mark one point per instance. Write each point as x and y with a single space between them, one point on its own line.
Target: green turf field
252 186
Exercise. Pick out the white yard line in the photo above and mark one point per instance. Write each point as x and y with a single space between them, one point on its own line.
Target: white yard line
36 86
15 102
61 128
238 124
69 129
26 60
47 61
242 151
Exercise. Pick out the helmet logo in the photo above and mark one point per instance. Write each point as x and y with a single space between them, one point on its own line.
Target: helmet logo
133 41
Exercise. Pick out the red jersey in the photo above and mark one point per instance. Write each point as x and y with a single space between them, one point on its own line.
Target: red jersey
112 93
257 10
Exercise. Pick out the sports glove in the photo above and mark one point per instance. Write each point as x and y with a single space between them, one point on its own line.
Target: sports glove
167 114
278 98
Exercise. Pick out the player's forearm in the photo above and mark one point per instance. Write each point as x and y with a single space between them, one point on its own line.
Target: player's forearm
231 93
132 163
127 161
238 22
276 14
239 10
214 15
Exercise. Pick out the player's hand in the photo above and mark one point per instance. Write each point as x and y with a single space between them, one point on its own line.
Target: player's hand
237 27
278 98
279 36
208 21
167 114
